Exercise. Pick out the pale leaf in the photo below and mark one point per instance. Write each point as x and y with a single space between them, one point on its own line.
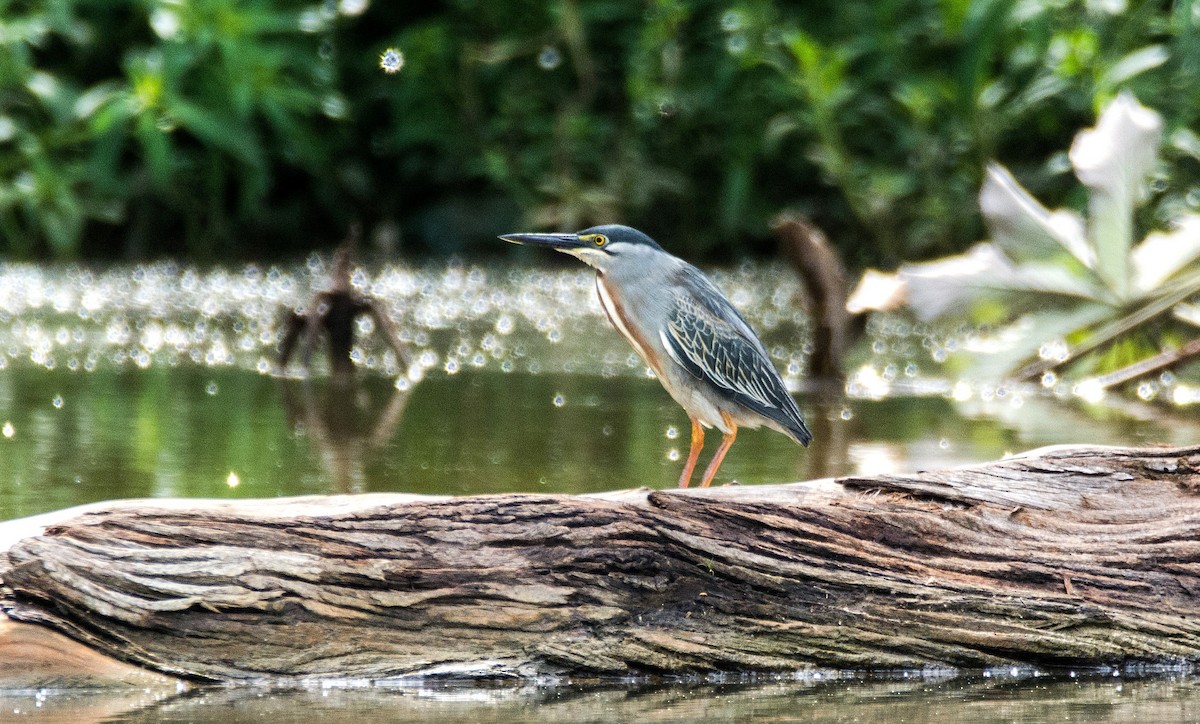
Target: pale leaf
1187 312
1024 228
1020 342
954 285
1121 150
876 292
1113 160
1164 254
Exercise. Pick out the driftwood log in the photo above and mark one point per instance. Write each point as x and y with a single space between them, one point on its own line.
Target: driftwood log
1062 556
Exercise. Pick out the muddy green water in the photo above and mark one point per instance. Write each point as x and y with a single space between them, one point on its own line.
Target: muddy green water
159 381
912 699
196 432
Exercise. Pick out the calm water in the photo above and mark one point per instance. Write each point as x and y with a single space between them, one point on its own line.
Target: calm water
978 699
159 381
79 437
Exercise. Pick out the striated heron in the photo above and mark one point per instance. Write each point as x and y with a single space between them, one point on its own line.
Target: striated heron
702 350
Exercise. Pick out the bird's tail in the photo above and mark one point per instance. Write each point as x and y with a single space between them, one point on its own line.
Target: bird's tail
792 422
799 431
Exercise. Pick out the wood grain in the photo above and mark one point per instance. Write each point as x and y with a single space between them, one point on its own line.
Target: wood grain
1063 556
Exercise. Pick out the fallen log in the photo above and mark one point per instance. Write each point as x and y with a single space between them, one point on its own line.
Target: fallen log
1061 556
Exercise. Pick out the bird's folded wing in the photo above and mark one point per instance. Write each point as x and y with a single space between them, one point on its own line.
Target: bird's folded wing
712 349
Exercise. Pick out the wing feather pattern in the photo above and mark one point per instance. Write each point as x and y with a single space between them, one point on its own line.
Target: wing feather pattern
707 336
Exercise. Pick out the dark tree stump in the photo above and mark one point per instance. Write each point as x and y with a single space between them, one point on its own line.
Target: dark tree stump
808 251
1063 556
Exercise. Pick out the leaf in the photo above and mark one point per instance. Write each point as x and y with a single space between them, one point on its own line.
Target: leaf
1187 312
156 150
1133 64
1022 341
1167 297
1164 254
1024 228
99 96
954 285
233 137
1113 160
1186 141
876 292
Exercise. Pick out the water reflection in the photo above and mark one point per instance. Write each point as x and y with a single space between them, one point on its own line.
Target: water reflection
454 317
164 432
338 420
899 698
155 380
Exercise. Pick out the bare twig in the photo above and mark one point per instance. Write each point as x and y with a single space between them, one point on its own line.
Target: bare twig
1152 365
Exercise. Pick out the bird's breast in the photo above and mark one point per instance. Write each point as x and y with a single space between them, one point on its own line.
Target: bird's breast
616 315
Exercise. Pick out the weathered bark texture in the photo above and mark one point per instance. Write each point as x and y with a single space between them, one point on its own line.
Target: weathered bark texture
1061 556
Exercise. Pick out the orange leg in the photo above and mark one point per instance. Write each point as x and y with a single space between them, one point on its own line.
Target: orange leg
693 454
726 442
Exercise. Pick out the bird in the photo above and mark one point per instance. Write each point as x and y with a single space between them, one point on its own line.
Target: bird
699 346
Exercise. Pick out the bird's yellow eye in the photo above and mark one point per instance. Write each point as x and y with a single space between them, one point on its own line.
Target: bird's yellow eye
600 239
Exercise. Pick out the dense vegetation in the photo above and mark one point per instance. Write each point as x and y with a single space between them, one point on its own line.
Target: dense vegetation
215 128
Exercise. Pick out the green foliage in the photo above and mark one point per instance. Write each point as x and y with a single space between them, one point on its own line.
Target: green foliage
901 104
1061 287
215 127
165 122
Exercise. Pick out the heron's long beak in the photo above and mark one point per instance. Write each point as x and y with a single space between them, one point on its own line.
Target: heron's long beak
562 242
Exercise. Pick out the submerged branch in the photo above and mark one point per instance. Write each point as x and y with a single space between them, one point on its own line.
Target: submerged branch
808 251
1111 332
1145 368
